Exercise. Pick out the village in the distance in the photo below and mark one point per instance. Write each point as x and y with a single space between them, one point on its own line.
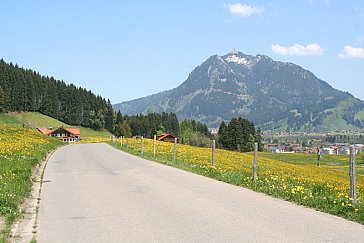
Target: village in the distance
312 143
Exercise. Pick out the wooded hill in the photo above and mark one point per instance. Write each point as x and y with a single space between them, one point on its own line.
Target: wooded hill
26 90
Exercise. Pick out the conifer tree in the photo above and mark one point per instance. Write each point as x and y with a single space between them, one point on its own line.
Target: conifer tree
2 100
223 135
119 118
235 135
240 135
123 129
109 117
186 131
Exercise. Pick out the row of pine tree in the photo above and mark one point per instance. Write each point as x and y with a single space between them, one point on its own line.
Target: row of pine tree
26 90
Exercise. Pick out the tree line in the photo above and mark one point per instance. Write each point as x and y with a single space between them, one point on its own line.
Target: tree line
188 131
195 133
146 125
26 90
239 135
342 138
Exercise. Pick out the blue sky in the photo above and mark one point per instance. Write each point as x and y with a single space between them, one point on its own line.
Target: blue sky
128 49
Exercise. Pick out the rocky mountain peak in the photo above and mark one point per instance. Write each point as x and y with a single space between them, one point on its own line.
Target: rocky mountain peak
258 88
240 58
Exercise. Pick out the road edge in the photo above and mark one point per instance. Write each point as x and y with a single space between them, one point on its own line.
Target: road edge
24 229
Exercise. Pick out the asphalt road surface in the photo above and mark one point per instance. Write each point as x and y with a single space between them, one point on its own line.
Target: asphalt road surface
99 194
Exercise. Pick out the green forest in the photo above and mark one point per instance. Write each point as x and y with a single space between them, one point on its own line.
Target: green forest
239 135
26 90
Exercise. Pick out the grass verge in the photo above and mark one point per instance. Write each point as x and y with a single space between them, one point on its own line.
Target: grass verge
21 150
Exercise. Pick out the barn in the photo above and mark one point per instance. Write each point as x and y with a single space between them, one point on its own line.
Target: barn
166 138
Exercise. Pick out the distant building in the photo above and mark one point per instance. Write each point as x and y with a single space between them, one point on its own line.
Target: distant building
273 148
328 151
166 138
343 151
63 134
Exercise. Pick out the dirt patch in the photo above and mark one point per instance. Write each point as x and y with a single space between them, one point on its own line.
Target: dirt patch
2 223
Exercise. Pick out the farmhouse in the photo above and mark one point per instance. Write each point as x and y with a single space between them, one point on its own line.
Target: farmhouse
166 138
63 134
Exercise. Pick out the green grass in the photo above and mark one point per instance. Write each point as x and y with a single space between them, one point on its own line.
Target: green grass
360 170
308 159
36 119
339 162
10 120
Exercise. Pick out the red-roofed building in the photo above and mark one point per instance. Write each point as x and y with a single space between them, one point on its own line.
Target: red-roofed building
63 134
166 138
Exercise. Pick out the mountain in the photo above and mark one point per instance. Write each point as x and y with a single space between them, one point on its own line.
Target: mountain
274 95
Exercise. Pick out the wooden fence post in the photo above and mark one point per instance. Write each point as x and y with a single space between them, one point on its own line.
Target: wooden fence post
154 144
126 142
318 156
134 142
255 162
142 145
213 152
352 174
121 141
175 149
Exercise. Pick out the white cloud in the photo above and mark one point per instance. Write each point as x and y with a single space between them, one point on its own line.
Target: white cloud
298 50
244 11
352 52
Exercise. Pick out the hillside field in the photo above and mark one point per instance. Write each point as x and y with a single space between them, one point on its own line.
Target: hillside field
36 119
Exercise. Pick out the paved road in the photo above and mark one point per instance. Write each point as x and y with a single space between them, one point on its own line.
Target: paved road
99 194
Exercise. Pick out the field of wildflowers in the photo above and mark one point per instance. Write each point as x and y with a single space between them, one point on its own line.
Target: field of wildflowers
325 188
20 151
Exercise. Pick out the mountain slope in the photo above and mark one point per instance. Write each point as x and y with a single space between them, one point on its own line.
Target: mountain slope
275 95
